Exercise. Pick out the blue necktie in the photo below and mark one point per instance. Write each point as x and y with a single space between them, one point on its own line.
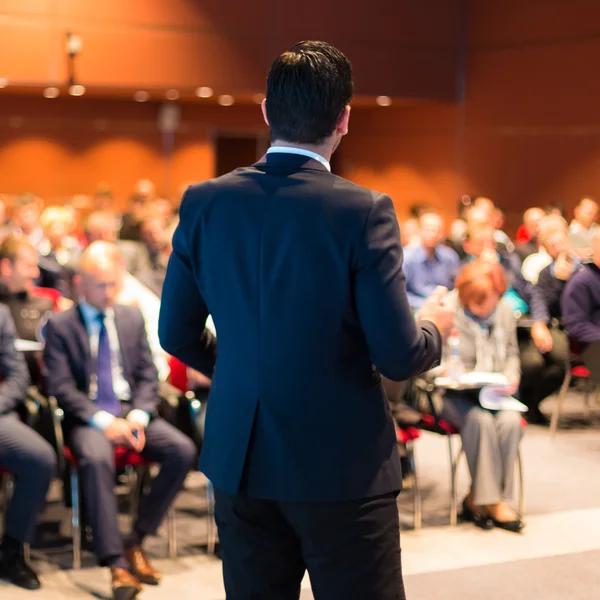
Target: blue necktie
105 397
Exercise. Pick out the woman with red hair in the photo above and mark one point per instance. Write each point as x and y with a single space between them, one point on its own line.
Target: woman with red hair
488 343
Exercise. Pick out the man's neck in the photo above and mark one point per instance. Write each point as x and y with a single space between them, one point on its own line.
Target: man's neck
429 252
325 150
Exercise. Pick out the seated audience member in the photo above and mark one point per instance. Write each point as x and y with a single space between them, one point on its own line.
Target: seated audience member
556 209
527 242
101 226
26 218
488 342
152 231
583 227
580 301
154 276
58 247
500 236
553 278
18 272
430 264
28 457
143 195
409 233
543 353
458 227
100 370
532 265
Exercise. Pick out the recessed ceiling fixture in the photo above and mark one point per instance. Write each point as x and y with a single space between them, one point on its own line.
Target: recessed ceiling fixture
383 100
226 100
77 89
3 82
204 92
51 92
172 94
141 96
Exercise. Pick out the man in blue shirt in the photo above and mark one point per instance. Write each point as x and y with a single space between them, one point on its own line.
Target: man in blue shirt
430 264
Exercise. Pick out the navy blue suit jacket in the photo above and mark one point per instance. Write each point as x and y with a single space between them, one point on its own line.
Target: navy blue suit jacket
69 364
301 271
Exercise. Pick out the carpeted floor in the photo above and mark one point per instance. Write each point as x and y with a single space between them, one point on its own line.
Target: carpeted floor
557 557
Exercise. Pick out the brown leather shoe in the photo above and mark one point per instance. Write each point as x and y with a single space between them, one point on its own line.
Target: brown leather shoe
125 586
141 567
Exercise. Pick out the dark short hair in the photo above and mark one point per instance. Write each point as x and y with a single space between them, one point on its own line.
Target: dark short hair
11 246
307 90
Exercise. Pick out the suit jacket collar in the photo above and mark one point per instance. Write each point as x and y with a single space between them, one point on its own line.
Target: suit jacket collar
289 162
122 325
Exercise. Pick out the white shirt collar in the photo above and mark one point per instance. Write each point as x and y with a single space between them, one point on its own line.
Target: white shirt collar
300 151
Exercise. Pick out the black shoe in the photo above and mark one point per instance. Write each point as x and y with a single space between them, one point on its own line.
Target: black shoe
515 526
15 569
482 521
537 417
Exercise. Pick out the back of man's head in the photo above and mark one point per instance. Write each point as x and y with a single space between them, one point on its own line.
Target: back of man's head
308 89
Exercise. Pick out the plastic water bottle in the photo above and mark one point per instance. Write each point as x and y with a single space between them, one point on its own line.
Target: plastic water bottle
455 364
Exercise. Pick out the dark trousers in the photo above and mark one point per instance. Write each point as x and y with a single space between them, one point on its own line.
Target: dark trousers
351 549
95 457
32 462
541 374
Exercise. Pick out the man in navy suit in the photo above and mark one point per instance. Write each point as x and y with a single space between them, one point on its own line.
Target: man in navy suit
101 372
302 273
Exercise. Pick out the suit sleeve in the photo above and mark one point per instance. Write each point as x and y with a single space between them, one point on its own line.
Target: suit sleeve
60 379
399 347
13 367
530 293
182 322
577 309
145 375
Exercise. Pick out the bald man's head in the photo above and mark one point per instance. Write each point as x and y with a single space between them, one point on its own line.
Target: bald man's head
101 275
532 220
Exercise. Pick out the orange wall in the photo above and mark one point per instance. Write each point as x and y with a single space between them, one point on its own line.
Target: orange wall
528 132
399 47
67 146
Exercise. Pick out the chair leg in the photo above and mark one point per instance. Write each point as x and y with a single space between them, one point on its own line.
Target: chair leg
521 483
76 518
417 510
134 480
453 499
586 399
211 526
172 532
562 394
6 491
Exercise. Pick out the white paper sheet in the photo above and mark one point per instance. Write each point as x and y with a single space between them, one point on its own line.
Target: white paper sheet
493 398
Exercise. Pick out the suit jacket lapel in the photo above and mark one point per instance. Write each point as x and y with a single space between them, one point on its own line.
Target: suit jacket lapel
83 339
121 323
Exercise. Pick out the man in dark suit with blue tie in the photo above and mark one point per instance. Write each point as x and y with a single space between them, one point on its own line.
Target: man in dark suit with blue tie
302 273
101 372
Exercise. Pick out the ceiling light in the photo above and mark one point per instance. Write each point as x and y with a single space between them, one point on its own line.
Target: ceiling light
383 100
226 100
3 82
141 96
77 90
172 94
51 92
204 92
258 98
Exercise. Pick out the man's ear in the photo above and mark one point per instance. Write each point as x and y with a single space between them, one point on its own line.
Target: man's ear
263 107
343 123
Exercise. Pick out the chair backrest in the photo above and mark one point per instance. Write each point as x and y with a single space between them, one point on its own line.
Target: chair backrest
49 293
178 376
